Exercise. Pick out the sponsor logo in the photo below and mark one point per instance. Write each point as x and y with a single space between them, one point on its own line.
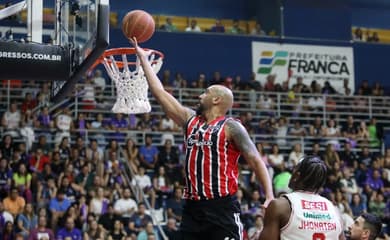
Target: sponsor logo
192 140
29 55
318 226
319 216
303 63
269 59
320 206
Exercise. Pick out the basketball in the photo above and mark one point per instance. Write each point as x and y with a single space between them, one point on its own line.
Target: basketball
139 24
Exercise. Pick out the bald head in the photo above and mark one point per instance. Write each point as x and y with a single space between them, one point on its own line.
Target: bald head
215 101
225 94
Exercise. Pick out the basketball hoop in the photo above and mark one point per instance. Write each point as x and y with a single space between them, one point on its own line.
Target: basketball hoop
131 84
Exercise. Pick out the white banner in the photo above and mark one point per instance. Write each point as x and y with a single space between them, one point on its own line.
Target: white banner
311 62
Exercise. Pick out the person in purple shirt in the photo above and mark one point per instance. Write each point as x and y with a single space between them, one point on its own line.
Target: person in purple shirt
148 154
118 124
69 231
375 182
41 232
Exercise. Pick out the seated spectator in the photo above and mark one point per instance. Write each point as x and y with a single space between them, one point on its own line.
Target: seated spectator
162 185
147 123
332 133
58 207
29 103
38 160
218 27
5 178
118 125
348 157
168 157
85 178
254 232
168 26
5 215
44 119
139 220
125 207
46 191
148 154
8 232
193 26
236 29
331 157
7 147
11 120
26 221
69 231
374 182
149 230
94 231
94 126
130 151
363 134
171 230
14 203
315 150
70 189
144 182
41 231
348 184
350 131
43 145
99 203
118 232
377 204
276 159
175 204
257 30
108 219
295 156
281 130
357 205
328 89
374 133
297 130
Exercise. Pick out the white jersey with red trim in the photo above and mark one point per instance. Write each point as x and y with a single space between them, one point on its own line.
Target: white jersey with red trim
312 218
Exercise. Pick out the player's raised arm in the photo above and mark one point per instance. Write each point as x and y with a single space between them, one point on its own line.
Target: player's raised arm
174 110
238 134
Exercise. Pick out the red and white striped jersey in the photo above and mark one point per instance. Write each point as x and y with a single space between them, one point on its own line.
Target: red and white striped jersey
211 160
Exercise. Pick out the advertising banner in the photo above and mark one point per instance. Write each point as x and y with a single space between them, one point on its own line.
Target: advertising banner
311 62
33 61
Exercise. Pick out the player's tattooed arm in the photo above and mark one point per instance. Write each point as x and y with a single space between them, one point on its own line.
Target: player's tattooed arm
237 134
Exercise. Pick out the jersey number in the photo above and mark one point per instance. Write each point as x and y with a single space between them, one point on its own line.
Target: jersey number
318 236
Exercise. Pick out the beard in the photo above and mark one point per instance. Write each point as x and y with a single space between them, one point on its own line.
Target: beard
200 109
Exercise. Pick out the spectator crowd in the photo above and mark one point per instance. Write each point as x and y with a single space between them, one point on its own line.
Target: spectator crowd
89 177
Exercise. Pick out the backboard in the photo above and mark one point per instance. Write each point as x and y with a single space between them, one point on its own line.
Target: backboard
55 40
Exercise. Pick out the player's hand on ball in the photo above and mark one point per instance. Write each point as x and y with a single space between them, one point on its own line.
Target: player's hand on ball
140 52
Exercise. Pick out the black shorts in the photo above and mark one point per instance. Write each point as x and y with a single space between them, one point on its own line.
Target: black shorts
217 219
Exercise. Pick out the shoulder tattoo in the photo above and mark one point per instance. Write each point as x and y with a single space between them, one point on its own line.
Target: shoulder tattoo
239 136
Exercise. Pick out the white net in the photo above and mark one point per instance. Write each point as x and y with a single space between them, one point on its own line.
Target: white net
131 86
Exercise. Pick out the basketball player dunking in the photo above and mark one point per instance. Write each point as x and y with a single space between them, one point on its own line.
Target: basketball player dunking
214 144
303 214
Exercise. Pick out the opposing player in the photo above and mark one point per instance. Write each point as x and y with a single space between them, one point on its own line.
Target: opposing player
214 144
303 214
366 227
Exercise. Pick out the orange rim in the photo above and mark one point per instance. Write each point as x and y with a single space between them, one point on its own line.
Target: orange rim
121 51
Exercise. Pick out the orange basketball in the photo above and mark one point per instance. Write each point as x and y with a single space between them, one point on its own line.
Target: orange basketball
139 24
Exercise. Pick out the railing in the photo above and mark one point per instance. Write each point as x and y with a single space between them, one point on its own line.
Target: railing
335 106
